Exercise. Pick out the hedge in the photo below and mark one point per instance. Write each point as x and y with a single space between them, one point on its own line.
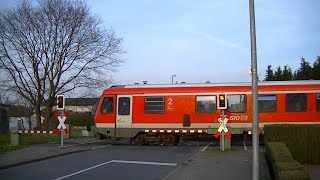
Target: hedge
302 140
84 119
283 166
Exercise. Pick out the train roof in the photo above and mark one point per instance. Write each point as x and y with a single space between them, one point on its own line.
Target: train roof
261 83
245 87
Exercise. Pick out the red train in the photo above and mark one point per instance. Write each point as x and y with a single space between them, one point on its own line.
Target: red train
163 113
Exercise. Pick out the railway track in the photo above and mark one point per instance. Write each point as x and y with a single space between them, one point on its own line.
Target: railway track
204 140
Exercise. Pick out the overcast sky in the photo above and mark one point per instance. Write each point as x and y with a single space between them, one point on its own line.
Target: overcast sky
209 40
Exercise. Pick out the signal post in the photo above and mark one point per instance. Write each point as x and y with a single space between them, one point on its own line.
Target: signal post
61 116
225 143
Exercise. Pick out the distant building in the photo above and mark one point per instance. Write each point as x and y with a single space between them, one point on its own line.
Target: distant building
16 117
21 117
79 105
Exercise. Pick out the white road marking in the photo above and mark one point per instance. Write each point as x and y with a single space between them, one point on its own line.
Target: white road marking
244 146
144 162
84 170
117 161
206 147
99 147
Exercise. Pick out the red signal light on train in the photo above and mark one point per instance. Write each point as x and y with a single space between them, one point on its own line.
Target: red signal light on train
222 101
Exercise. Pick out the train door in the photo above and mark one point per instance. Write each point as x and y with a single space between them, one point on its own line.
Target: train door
124 111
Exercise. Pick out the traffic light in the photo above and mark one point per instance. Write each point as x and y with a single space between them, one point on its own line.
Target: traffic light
222 101
60 102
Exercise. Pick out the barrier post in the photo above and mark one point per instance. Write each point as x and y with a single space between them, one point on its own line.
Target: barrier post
225 143
14 137
222 134
93 131
61 114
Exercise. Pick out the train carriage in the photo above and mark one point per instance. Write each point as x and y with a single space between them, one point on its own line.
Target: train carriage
163 113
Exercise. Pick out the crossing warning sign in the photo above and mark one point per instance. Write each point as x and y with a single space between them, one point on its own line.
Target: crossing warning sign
223 121
61 120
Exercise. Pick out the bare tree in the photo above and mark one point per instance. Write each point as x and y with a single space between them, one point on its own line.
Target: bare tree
55 46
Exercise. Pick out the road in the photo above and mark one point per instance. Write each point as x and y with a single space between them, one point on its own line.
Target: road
97 159
107 162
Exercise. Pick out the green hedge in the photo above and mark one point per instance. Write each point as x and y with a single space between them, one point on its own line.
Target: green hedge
29 139
283 166
84 119
283 154
4 138
296 174
302 140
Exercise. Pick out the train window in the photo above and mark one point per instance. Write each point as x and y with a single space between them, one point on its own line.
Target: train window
237 103
267 103
206 104
107 105
153 104
296 102
318 102
124 106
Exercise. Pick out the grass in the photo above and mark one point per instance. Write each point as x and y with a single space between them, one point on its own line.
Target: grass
4 138
29 139
25 141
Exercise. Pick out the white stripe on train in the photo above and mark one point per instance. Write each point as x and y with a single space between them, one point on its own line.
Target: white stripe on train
261 83
231 92
194 125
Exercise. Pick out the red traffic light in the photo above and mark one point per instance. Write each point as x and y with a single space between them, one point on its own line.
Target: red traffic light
60 102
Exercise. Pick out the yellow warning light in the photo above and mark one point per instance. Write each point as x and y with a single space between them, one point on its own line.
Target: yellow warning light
222 104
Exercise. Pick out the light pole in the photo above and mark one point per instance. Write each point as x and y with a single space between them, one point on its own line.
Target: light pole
254 77
172 78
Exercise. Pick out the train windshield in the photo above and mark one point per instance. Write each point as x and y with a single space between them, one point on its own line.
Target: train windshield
107 105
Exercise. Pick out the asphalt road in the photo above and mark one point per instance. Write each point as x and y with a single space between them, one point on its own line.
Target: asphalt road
121 161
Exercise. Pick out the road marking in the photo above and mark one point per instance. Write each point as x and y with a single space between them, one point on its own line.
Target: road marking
244 146
84 170
206 147
82 143
144 162
117 161
99 147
